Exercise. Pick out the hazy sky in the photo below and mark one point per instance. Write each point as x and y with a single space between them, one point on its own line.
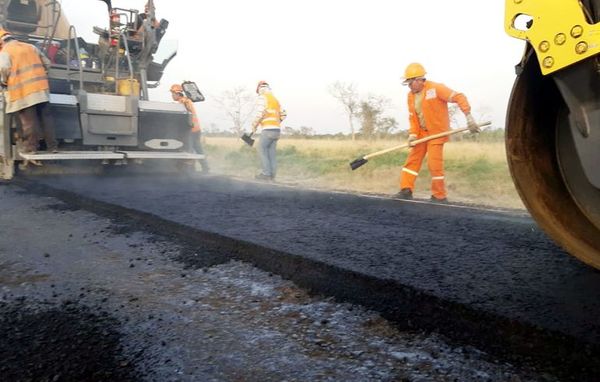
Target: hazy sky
301 47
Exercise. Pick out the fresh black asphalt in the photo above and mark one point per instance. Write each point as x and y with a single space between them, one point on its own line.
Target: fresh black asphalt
494 272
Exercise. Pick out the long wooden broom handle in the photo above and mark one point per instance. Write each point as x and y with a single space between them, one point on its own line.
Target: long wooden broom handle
416 142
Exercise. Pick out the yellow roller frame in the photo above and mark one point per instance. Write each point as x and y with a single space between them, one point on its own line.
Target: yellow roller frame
559 33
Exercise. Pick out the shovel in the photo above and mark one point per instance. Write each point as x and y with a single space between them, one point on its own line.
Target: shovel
248 139
361 161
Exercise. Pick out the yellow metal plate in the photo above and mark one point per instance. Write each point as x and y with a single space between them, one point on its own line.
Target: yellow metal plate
559 32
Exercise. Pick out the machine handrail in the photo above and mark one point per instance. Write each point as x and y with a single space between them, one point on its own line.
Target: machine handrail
50 36
129 64
72 29
50 28
123 38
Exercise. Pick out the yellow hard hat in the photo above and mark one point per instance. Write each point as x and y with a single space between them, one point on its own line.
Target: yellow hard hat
4 33
414 70
176 88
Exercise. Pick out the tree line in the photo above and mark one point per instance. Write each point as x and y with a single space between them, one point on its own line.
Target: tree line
366 115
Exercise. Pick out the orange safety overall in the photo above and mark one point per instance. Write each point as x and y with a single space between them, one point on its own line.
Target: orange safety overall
429 119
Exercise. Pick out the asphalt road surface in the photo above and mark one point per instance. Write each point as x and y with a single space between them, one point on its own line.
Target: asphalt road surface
88 298
489 278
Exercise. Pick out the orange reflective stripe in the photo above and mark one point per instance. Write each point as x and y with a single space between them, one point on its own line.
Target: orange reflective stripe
24 84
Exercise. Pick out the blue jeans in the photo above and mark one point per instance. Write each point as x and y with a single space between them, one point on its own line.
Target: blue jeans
267 146
196 146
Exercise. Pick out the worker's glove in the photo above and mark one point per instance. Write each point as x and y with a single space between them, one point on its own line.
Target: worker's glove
471 124
282 115
411 139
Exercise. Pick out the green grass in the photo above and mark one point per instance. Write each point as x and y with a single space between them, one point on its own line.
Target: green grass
476 172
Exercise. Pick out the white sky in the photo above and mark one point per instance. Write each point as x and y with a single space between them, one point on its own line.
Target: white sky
301 47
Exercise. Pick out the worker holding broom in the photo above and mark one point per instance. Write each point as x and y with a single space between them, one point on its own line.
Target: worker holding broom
268 116
428 115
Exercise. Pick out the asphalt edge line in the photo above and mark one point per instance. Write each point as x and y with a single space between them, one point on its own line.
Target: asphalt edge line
474 207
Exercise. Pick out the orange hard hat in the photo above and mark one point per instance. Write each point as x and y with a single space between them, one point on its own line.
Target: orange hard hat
260 85
176 88
414 70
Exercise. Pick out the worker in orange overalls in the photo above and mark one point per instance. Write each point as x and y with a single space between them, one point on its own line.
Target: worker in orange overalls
269 115
23 72
428 115
196 132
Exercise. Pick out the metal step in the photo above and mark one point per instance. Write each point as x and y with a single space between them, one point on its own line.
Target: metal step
87 155
160 155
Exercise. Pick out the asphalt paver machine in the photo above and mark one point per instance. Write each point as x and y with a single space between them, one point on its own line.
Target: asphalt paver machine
99 90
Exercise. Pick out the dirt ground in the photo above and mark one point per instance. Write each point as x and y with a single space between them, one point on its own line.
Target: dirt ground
84 297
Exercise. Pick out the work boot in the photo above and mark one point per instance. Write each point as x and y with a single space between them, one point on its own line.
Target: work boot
405 194
433 199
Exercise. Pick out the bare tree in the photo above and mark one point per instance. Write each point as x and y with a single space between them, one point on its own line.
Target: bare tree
386 126
238 105
347 94
372 119
368 115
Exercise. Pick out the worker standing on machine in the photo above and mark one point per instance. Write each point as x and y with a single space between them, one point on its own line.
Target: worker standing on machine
269 115
149 14
196 132
428 115
24 74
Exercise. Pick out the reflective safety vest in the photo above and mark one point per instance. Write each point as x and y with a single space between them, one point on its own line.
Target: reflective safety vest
27 73
272 115
189 105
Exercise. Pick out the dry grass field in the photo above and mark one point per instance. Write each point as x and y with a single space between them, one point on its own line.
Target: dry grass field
476 172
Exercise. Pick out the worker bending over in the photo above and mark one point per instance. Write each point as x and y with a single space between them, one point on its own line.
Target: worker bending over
196 132
428 115
269 115
24 74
